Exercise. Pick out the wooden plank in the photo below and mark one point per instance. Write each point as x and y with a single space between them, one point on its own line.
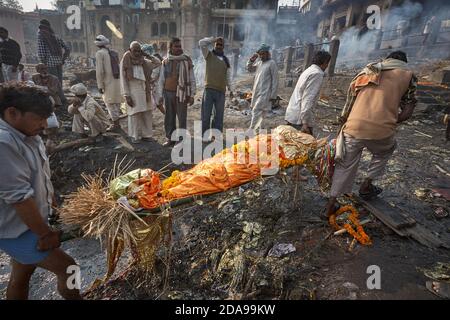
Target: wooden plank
388 214
425 237
400 222
71 144
125 143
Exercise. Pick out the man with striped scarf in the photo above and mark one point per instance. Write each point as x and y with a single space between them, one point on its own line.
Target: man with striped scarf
176 89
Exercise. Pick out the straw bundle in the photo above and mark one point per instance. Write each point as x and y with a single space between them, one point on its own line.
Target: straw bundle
95 212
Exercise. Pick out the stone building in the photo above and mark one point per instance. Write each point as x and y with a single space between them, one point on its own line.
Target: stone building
244 22
12 21
146 21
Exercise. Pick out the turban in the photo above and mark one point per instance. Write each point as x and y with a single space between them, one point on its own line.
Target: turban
101 41
263 47
135 44
79 89
148 49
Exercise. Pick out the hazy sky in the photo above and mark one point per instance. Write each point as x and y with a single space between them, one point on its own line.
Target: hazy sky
29 5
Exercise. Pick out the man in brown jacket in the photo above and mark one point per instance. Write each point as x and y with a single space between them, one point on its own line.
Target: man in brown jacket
45 79
383 95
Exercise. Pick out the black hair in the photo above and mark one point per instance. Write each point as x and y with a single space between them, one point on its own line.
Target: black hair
173 40
399 55
25 98
321 57
4 29
45 22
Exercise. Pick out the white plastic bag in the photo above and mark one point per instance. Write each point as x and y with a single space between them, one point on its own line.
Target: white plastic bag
52 121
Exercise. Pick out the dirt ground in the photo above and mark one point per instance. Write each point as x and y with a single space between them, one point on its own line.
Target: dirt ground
221 246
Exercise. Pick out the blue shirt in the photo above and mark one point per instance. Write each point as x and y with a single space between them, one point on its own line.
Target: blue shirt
24 173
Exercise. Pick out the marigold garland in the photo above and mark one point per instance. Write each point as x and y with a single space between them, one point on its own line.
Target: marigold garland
359 234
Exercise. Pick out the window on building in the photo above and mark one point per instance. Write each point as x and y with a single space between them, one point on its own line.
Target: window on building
75 47
225 4
69 44
82 47
340 23
163 30
172 29
239 4
155 29
239 32
224 32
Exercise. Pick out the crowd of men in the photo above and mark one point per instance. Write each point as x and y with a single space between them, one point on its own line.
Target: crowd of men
380 97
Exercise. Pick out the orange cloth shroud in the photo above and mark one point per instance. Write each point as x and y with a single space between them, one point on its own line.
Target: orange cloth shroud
242 163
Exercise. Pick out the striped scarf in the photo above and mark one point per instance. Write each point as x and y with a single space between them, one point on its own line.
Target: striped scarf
184 87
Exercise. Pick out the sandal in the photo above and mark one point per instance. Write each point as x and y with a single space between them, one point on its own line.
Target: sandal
324 215
441 289
374 191
440 213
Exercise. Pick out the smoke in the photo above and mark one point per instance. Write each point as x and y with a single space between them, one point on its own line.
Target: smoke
396 15
355 47
401 27
244 33
249 32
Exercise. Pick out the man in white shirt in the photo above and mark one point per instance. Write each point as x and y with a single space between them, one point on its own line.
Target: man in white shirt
428 29
299 112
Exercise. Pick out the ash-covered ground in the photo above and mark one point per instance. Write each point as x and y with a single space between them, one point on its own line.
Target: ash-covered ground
222 244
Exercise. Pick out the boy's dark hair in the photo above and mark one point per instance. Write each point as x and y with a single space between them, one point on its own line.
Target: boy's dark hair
173 40
399 55
321 57
45 22
25 98
4 29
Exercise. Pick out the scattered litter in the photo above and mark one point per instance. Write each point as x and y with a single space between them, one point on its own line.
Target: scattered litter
441 289
281 249
443 192
423 134
421 193
440 213
350 286
252 234
442 170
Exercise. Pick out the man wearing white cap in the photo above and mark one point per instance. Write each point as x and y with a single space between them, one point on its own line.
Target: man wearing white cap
108 79
86 110
265 86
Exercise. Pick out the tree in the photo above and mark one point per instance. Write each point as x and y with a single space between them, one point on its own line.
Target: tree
11 4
